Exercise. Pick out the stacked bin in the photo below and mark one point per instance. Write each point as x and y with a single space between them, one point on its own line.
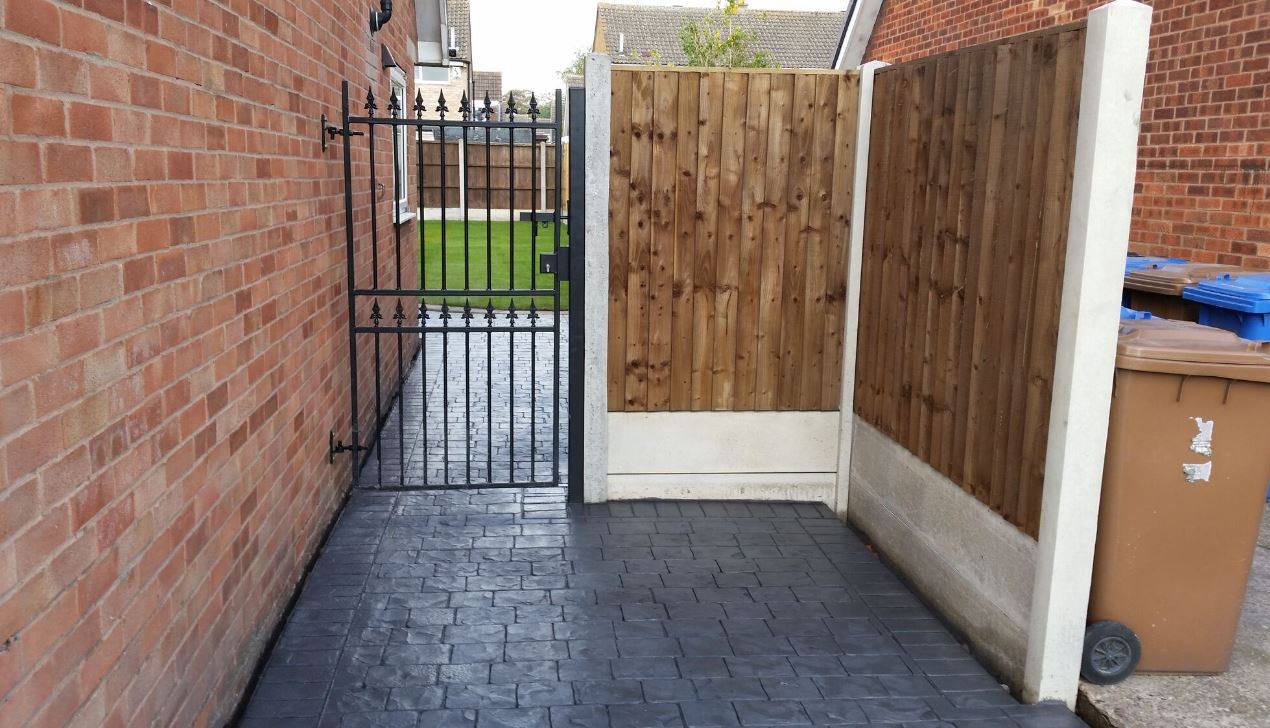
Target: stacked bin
1158 288
1186 471
1138 262
1237 302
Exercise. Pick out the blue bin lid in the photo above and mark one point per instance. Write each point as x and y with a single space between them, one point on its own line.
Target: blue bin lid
1246 292
1138 262
1128 314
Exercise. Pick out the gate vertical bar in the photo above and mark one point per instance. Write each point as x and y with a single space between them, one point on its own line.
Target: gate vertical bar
489 301
465 110
394 110
375 315
351 280
423 284
445 310
511 306
533 284
577 286
557 128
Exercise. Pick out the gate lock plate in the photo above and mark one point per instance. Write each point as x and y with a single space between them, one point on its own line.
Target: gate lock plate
556 263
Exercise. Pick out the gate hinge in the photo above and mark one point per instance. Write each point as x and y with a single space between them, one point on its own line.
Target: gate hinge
330 131
338 446
556 263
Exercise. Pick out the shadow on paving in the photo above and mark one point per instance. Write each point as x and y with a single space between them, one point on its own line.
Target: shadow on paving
494 608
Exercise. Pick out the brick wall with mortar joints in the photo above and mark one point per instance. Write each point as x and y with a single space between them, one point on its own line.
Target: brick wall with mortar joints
173 346
1202 191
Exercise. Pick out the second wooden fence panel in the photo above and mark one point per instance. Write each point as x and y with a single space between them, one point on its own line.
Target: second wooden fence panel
730 197
965 238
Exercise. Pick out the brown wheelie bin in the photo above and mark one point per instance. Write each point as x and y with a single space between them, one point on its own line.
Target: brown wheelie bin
1188 460
1157 288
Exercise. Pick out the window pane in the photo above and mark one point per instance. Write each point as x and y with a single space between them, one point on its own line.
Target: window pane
432 74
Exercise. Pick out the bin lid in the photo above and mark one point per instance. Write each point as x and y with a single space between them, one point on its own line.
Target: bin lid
1182 347
1247 292
1137 262
1171 278
1128 314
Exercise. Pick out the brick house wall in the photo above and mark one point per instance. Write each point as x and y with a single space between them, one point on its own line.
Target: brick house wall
1202 180
173 345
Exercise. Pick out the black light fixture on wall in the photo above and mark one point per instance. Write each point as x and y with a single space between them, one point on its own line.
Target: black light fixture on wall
379 18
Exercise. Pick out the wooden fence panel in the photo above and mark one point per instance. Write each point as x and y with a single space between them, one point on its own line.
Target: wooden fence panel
729 203
965 238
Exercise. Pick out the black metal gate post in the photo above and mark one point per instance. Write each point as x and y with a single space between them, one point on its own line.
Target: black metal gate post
577 286
454 451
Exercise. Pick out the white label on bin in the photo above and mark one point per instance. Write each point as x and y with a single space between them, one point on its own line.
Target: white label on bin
1195 472
1203 442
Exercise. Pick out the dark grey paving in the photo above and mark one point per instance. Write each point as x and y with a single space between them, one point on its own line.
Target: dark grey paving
508 608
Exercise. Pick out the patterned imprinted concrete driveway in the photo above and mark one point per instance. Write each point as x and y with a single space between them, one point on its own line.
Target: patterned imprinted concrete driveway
501 608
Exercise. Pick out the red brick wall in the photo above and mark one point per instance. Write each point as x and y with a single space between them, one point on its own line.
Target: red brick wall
173 346
1202 179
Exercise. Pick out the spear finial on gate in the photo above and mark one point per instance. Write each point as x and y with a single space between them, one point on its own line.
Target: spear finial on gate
465 109
533 310
489 313
445 312
441 107
533 107
489 107
394 105
375 315
419 107
422 315
511 107
370 103
511 312
467 312
400 315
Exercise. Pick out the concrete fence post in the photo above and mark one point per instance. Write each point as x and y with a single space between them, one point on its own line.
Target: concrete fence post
1098 235
595 463
855 258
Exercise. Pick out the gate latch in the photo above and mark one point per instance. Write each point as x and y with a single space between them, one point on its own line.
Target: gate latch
556 263
330 131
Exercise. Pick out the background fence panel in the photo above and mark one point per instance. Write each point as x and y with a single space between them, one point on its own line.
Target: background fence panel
729 206
965 238
524 174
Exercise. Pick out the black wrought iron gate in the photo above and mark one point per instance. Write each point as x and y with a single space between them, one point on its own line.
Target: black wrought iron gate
457 324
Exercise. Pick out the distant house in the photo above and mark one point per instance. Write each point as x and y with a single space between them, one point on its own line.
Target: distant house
444 62
650 34
488 82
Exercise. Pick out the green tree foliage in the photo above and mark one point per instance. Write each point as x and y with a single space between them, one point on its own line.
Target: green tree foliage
576 66
719 41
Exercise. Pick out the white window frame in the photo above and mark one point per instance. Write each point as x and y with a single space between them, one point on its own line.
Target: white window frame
423 75
404 211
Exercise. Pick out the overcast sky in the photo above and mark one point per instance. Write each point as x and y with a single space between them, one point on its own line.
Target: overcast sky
531 40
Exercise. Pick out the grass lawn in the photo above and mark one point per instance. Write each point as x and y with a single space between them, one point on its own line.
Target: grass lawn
472 256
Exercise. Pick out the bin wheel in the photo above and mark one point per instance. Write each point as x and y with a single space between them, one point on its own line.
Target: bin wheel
1111 653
